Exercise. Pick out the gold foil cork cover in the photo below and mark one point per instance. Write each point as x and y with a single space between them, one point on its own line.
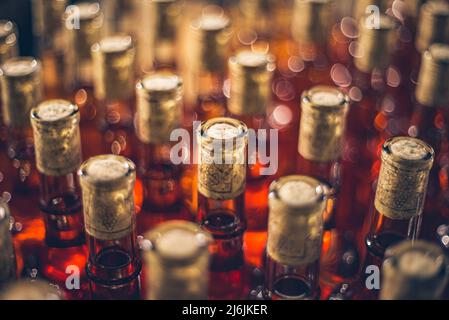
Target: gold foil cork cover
414 271
114 59
88 32
222 158
251 76
159 107
433 26
35 290
323 123
107 184
375 44
403 178
166 15
8 40
296 206
212 33
177 256
57 139
312 20
431 89
21 83
7 257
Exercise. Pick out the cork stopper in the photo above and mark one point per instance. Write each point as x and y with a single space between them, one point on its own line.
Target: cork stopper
296 206
21 82
433 26
48 17
312 20
403 177
431 89
113 59
222 158
376 44
159 107
57 137
107 184
165 14
89 31
323 123
212 35
7 256
251 74
177 258
35 290
414 271
8 40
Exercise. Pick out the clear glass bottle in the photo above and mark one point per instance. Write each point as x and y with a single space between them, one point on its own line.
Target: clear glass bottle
83 23
114 265
250 100
21 84
222 159
295 230
177 261
211 34
114 88
159 113
8 50
48 31
416 270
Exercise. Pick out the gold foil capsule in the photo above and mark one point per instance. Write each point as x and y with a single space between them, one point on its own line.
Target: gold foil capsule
323 123
36 290
312 20
296 206
84 22
7 256
8 40
212 38
159 107
251 74
376 44
56 137
433 26
431 89
416 270
107 184
403 177
21 82
177 260
113 59
222 158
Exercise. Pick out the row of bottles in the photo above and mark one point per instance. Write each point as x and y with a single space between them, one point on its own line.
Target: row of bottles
334 125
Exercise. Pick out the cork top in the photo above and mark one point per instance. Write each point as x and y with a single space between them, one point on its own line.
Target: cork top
107 171
433 24
7 29
88 11
161 83
20 67
223 129
54 111
31 290
407 152
298 192
326 98
375 44
114 44
177 241
311 20
212 22
249 60
433 76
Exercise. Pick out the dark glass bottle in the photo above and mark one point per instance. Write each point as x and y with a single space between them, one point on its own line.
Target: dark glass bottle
114 265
